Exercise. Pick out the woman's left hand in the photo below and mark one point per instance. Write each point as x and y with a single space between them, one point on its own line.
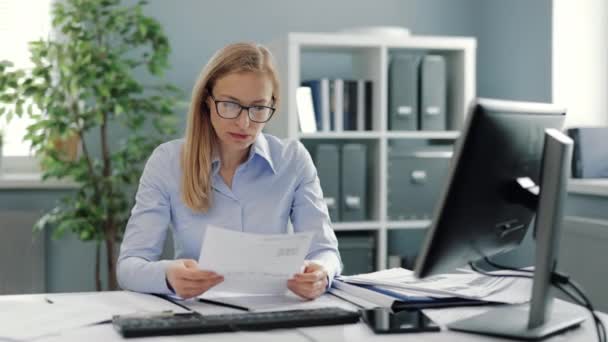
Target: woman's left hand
311 283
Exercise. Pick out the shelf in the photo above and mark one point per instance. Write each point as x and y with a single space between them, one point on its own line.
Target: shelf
589 186
376 225
409 224
422 134
349 56
377 135
341 135
361 225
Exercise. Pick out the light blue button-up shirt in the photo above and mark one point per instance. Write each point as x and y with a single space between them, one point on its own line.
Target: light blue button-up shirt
276 183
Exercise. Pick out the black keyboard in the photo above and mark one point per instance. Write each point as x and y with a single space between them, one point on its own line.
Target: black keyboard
194 323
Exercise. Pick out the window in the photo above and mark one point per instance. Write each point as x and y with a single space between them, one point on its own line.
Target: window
20 22
580 61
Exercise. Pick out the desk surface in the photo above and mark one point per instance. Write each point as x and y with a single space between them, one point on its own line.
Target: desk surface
352 332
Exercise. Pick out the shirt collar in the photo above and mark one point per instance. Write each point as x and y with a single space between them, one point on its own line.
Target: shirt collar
215 162
259 147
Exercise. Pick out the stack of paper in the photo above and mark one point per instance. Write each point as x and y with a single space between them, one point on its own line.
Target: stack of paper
398 284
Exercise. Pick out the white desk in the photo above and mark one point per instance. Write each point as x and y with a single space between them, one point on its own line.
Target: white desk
352 332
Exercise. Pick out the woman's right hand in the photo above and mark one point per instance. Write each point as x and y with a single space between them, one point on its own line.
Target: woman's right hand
188 280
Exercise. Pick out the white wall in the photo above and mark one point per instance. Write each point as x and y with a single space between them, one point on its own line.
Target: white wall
580 60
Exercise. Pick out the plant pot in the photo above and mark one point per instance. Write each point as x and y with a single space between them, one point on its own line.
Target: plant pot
68 147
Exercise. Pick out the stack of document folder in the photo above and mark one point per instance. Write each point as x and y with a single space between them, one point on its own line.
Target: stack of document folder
398 289
380 296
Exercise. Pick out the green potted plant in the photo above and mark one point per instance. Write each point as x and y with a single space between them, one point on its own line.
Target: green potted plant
82 88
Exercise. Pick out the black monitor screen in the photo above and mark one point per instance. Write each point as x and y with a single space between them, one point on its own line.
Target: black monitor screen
479 214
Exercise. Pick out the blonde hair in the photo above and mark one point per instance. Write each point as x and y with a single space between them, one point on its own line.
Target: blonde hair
200 139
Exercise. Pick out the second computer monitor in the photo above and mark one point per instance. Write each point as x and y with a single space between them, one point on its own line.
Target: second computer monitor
483 211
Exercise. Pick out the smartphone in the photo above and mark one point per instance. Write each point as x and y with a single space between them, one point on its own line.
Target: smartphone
384 321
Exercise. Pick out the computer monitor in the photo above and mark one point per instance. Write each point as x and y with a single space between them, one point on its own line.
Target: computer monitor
506 150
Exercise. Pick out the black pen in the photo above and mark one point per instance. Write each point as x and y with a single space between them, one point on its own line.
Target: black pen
171 300
209 301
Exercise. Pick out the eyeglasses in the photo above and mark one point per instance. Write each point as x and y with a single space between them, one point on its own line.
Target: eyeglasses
232 110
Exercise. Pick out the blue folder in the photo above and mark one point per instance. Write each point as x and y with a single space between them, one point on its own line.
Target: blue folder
403 302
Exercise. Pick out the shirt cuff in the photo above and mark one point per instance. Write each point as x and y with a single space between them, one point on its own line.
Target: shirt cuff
162 267
169 285
140 275
332 271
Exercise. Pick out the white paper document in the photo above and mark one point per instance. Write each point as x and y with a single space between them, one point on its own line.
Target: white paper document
464 284
116 302
253 263
289 301
106 333
358 301
254 302
24 318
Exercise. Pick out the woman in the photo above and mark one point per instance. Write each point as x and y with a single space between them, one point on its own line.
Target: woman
226 173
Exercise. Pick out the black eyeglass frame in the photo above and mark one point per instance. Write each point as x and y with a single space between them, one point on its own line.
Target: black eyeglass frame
248 108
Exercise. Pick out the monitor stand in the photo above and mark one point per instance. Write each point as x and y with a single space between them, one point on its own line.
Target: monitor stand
513 322
538 319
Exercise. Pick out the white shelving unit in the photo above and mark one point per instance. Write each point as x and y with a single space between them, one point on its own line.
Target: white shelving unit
367 57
